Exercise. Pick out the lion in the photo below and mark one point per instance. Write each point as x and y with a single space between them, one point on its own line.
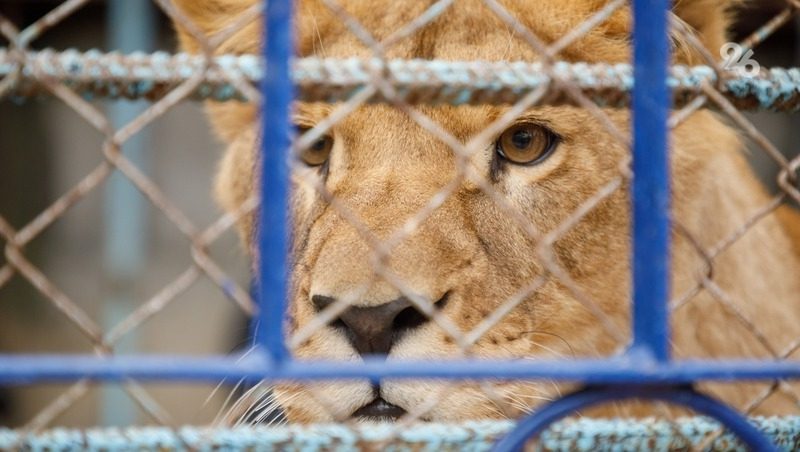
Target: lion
470 254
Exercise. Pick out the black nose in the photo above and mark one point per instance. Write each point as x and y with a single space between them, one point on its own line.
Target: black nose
373 330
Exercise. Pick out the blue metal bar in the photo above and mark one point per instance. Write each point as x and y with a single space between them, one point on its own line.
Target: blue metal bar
536 423
276 132
19 369
650 191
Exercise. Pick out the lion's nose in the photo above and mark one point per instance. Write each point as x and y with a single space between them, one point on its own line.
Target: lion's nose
374 330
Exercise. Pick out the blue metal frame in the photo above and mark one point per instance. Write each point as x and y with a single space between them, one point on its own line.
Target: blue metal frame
685 396
626 370
646 371
650 191
276 133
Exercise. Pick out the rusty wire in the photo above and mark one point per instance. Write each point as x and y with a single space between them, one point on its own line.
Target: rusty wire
787 179
232 78
112 159
176 78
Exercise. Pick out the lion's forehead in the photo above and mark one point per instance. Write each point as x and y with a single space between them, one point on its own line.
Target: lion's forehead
469 31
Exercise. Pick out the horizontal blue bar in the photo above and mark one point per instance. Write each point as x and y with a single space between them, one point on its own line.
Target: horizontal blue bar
27 369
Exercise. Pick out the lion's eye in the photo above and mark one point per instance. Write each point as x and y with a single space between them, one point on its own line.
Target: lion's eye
317 153
526 144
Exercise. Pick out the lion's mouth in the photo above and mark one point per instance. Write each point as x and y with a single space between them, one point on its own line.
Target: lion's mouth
381 409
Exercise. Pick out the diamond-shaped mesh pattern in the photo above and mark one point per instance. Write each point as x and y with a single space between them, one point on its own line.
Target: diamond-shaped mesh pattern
404 89
203 266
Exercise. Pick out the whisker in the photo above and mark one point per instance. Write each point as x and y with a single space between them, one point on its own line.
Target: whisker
535 397
564 341
234 409
555 353
226 402
265 407
230 394
263 399
270 409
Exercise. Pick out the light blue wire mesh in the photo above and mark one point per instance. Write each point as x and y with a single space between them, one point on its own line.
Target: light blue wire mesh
570 435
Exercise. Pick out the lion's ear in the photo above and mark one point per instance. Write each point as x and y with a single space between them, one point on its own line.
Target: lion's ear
709 20
213 16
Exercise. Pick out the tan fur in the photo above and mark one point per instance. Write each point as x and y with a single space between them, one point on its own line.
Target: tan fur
385 167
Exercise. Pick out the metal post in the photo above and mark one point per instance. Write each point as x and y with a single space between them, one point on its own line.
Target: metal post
131 27
273 232
651 188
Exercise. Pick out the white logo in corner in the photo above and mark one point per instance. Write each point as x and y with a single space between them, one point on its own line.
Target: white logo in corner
735 59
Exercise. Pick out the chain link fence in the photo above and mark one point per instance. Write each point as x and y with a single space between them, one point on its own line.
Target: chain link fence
459 191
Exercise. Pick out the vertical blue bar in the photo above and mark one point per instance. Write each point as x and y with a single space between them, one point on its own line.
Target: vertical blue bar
650 192
272 229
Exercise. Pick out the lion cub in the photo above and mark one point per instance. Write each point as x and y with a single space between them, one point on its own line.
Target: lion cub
468 255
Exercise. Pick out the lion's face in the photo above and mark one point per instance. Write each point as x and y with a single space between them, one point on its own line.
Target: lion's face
465 243
464 233
519 242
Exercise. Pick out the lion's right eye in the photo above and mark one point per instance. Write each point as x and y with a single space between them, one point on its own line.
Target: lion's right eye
526 143
318 152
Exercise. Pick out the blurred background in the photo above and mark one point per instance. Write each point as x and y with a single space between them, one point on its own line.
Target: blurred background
114 250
